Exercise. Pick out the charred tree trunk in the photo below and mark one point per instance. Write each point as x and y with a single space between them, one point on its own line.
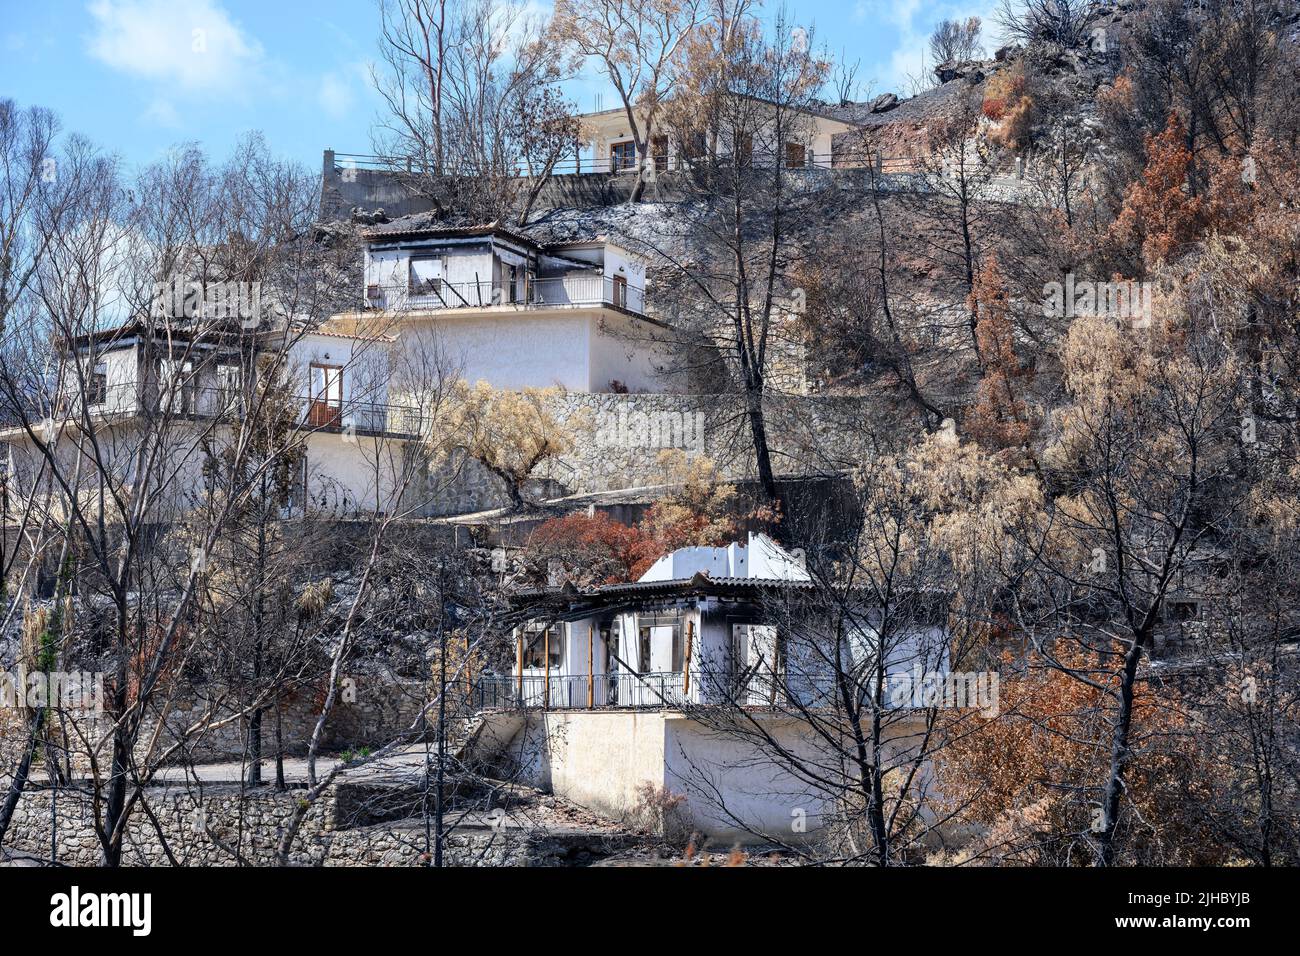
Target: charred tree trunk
1119 757
19 782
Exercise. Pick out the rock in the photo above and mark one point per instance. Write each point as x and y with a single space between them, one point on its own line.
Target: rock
884 103
971 70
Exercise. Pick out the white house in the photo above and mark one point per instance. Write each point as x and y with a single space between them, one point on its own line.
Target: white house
198 380
611 682
495 305
697 627
610 147
509 311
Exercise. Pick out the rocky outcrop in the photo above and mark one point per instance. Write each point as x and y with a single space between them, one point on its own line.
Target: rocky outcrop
971 70
884 103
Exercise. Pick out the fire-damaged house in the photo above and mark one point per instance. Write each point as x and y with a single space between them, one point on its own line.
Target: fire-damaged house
610 684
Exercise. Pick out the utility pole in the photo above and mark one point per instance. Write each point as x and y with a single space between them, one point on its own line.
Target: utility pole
438 808
4 525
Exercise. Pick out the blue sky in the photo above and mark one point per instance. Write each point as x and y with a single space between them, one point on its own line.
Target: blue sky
135 77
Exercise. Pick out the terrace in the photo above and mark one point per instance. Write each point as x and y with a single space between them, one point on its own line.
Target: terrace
648 691
624 161
577 290
326 411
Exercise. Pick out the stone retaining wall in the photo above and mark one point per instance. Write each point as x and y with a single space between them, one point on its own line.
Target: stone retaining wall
207 828
371 712
623 436
195 825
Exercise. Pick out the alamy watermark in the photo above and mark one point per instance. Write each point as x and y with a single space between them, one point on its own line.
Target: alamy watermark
75 909
61 690
650 429
973 690
1122 300
182 298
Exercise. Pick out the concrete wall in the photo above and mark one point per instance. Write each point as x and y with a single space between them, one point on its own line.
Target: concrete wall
350 473
601 759
626 434
628 351
734 791
729 784
517 349
508 347
597 759
343 187
808 435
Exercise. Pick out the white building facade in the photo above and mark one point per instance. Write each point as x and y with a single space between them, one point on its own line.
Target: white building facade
503 309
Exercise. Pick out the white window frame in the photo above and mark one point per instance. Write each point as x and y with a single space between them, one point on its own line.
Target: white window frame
176 386
230 384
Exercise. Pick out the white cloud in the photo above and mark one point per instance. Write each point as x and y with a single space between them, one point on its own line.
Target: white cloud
191 44
162 112
335 95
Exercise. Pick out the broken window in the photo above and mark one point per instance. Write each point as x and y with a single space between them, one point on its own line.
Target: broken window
97 386
426 275
695 145
659 151
622 156
660 644
229 385
541 643
176 386
795 156
744 151
512 284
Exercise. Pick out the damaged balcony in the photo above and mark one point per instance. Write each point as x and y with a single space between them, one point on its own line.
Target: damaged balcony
648 691
571 291
320 412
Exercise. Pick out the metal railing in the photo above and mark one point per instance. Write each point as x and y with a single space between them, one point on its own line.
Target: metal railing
847 158
756 159
183 400
573 692
621 689
572 291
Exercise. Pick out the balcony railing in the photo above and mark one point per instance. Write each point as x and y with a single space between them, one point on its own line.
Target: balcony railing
572 291
847 158
186 401
652 690
757 159
790 691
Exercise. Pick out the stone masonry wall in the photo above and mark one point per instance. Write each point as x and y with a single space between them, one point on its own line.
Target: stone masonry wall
621 438
224 826
369 713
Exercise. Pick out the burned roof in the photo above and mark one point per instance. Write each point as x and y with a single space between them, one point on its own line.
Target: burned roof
698 582
428 225
578 601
